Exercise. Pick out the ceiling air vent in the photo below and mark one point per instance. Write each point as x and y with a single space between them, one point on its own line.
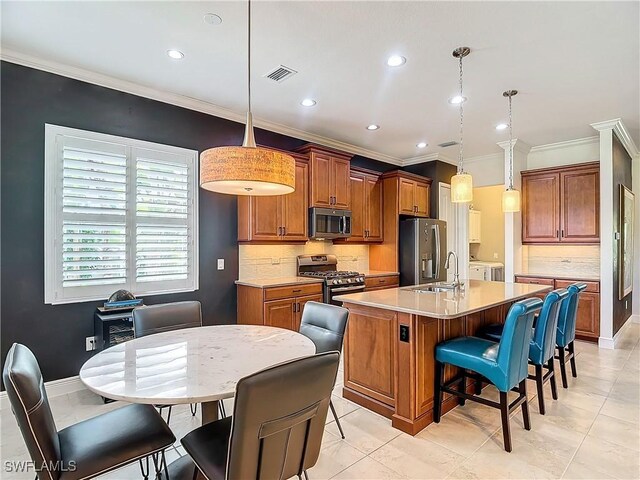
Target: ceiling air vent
448 144
280 73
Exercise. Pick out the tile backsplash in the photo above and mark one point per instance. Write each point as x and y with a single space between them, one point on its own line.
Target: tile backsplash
273 261
574 260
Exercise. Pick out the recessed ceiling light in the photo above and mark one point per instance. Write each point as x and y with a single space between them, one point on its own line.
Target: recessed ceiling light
457 99
501 126
421 144
308 102
175 54
212 19
373 127
396 60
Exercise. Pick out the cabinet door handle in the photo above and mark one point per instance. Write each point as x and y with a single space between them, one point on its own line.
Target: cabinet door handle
279 231
284 231
558 233
299 309
562 233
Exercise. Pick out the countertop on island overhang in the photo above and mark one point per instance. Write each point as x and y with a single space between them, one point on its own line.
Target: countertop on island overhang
476 296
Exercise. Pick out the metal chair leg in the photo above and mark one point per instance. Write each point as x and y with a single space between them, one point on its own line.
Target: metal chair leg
169 415
145 474
194 409
574 373
335 416
221 409
504 413
563 367
306 475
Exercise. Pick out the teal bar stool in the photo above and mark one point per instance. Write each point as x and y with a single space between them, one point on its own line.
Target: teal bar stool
504 364
566 333
543 343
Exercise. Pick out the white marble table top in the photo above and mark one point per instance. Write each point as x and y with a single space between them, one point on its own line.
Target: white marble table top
192 365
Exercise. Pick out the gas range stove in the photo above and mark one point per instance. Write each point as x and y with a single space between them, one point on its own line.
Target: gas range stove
336 282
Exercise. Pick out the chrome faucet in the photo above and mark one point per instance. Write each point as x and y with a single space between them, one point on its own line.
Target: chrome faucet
456 274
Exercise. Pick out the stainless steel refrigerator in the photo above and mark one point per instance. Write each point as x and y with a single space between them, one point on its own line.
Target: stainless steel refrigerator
423 251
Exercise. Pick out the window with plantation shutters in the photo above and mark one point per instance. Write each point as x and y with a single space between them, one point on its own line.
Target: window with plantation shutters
119 213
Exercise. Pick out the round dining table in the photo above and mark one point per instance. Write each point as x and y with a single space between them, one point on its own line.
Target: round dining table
192 365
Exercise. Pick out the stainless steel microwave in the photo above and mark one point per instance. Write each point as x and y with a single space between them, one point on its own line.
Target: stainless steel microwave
328 223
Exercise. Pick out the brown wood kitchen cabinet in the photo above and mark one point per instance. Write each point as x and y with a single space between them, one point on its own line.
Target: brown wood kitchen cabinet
413 196
588 316
366 208
329 177
277 306
280 218
561 205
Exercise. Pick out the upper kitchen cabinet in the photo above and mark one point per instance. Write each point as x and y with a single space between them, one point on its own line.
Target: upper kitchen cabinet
561 205
329 177
366 207
413 193
281 218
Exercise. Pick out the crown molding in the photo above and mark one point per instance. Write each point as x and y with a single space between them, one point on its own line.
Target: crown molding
621 132
430 157
518 146
486 158
566 144
13 56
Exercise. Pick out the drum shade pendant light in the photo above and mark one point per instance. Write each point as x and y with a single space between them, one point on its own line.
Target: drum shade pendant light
247 170
461 182
511 196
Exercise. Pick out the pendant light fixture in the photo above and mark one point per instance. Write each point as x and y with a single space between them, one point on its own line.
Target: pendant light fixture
461 182
247 170
511 196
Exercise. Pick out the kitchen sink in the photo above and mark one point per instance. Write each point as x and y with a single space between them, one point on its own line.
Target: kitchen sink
433 288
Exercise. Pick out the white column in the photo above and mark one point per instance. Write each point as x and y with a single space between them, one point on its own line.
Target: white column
513 221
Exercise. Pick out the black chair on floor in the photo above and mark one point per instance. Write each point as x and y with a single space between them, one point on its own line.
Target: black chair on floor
325 325
89 448
542 345
167 317
566 333
276 428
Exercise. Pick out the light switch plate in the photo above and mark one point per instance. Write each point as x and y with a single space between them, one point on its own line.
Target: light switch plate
221 264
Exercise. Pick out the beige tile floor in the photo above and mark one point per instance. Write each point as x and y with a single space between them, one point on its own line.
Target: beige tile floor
591 432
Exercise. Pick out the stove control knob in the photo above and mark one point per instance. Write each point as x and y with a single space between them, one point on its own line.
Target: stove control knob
349 280
339 281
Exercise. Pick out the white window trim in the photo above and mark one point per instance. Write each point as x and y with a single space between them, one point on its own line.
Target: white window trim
53 220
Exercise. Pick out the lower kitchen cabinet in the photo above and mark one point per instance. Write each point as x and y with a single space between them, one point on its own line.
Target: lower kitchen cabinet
276 306
588 316
372 283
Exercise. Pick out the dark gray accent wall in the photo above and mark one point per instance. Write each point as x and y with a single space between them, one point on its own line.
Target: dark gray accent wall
31 98
621 176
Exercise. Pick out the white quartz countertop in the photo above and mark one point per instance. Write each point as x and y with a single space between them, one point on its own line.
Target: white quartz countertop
477 295
278 282
378 273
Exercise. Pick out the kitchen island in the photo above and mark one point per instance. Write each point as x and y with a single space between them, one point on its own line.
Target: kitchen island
389 347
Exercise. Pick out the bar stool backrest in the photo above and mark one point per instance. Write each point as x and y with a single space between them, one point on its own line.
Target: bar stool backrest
28 398
544 336
566 332
513 350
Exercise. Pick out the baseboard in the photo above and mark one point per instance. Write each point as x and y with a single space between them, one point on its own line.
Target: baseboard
54 388
610 343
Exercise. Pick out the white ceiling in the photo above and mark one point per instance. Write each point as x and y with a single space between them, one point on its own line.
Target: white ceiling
574 63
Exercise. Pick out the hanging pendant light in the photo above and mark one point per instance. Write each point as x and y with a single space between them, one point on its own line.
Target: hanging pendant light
247 170
511 196
461 182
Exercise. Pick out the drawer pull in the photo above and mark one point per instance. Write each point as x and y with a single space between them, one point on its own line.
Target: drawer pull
297 290
382 280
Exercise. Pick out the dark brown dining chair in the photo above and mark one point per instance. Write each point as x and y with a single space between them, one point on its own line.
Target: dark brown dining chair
325 325
166 317
276 428
89 448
